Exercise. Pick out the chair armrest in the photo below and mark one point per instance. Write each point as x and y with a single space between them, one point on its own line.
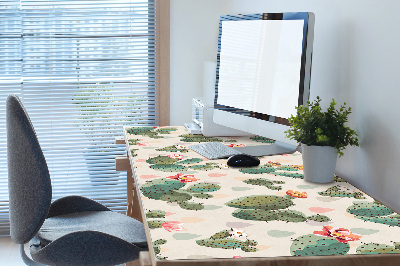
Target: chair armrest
72 204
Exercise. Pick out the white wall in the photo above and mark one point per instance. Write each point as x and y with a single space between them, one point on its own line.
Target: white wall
355 60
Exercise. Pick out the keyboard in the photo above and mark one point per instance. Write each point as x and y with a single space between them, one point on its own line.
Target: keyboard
214 150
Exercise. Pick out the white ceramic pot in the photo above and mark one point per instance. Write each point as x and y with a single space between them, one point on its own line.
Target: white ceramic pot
319 163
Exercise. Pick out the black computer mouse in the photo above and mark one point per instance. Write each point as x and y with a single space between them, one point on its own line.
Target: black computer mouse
242 160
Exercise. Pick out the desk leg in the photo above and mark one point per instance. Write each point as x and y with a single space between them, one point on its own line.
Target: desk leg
133 198
144 260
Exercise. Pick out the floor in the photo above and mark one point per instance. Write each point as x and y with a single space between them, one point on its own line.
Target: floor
9 253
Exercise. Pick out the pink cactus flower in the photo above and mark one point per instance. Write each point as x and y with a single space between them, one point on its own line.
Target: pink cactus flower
173 226
176 156
340 234
183 178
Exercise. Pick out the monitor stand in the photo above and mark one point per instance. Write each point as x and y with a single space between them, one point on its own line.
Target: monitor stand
276 148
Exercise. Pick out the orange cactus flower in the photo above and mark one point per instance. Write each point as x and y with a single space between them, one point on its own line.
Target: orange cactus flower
296 194
340 234
183 178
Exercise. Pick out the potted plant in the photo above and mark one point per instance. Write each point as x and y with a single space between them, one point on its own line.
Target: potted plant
323 135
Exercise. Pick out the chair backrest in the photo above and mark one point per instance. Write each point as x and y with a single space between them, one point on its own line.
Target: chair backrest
29 183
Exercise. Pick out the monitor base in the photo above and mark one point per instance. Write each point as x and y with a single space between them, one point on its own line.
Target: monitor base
276 148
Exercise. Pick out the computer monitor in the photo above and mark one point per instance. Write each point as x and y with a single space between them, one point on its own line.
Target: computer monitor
263 73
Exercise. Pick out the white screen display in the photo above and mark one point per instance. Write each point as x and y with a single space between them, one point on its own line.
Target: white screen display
260 63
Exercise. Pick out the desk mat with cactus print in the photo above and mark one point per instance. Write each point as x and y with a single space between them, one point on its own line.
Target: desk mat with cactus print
198 208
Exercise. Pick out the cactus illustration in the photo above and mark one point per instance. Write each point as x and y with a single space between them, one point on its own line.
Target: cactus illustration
266 208
169 167
133 141
171 190
374 212
258 170
339 191
168 164
262 139
375 248
165 130
224 240
133 152
319 218
263 202
338 179
162 160
287 168
155 223
155 214
204 167
151 132
173 148
198 138
203 187
264 182
311 245
144 131
157 249
288 174
191 161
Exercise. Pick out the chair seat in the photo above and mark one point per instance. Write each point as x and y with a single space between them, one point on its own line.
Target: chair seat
108 222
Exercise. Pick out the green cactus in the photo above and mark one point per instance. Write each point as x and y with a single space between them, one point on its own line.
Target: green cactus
153 224
287 174
190 161
374 248
338 179
286 168
173 148
265 183
266 208
155 214
193 206
166 130
258 170
220 235
203 187
162 160
157 249
319 218
262 139
255 215
133 141
133 152
311 245
369 209
224 240
169 167
202 195
263 202
157 188
335 191
144 131
175 196
198 138
204 167
171 190
270 215
374 212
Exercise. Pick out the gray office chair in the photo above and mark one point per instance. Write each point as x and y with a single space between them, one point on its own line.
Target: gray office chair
70 231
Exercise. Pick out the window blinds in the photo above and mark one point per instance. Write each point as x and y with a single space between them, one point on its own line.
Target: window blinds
83 69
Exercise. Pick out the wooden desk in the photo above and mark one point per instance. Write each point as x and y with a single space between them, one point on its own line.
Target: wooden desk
201 212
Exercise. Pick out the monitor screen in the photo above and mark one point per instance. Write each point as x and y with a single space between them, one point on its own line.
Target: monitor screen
263 71
260 63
